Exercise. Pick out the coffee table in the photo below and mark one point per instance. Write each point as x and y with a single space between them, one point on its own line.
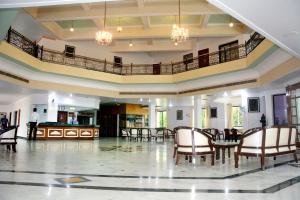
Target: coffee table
223 146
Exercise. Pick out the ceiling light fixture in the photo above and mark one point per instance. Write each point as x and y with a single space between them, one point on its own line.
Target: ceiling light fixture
72 27
231 24
130 44
179 34
104 37
119 28
176 43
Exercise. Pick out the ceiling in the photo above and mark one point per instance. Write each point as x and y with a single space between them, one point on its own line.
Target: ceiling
140 19
276 20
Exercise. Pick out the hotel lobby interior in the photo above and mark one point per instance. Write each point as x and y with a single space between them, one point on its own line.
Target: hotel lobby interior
149 99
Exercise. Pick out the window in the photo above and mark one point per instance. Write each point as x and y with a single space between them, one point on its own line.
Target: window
161 119
237 116
213 113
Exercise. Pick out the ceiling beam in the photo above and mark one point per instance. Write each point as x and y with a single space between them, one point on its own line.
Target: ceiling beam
204 21
155 47
55 29
98 22
145 19
154 32
77 13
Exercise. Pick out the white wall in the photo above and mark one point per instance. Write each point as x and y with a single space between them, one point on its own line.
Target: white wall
218 122
172 118
25 105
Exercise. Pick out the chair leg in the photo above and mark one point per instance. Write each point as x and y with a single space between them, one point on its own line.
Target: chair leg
177 159
236 160
295 157
14 148
174 153
274 158
262 162
8 147
213 159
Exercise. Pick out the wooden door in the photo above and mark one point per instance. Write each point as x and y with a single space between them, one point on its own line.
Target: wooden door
203 58
156 69
62 117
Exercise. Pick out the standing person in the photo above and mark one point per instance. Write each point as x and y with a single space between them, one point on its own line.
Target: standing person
4 122
33 124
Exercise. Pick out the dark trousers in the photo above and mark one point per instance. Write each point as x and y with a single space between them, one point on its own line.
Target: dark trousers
32 130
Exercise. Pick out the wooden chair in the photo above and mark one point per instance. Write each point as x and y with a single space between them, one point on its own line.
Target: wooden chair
145 134
184 141
134 134
203 145
270 142
9 138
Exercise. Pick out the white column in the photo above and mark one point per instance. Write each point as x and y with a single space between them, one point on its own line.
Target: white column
197 112
269 108
52 108
152 115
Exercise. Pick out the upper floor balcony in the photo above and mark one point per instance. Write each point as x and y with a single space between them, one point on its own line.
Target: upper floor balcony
204 60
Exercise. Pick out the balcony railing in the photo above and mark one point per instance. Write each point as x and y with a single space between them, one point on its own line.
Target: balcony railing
204 60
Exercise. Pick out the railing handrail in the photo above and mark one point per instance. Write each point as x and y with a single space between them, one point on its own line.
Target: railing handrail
216 57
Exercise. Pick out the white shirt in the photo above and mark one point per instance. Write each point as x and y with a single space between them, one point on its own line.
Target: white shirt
34 117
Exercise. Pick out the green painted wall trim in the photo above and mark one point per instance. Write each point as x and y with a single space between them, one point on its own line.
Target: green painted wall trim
7 17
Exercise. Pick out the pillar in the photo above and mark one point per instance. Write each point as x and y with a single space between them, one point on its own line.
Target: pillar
152 115
197 112
52 108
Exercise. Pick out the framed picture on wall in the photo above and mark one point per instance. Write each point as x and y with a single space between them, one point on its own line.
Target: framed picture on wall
253 105
213 113
179 115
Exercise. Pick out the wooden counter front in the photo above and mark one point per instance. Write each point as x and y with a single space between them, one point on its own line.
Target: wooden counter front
45 132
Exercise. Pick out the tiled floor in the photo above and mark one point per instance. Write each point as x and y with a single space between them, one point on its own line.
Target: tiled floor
118 169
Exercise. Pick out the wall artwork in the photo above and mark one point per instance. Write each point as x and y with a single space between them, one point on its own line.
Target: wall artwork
179 115
253 105
213 113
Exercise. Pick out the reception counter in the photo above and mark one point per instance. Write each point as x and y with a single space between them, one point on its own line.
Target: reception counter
49 131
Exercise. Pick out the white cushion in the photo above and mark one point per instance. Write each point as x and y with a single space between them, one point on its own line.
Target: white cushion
8 141
185 149
184 137
293 147
9 134
283 149
200 139
202 149
284 136
134 132
271 137
253 140
271 150
293 136
249 150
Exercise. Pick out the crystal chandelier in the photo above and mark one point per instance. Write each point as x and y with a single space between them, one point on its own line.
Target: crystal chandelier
104 37
179 34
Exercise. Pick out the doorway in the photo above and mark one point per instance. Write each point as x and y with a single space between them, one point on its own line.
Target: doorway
280 109
203 57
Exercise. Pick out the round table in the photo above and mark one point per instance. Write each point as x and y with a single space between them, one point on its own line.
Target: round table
223 146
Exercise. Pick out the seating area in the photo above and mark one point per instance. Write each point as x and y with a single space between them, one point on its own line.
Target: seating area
267 142
147 134
257 142
8 137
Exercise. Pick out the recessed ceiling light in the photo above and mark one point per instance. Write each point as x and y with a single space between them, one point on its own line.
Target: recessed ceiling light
176 43
231 24
130 44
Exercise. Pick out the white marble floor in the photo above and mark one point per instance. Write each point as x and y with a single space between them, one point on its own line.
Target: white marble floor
119 169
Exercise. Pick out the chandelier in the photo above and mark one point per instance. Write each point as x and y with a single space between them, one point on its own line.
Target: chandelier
104 37
179 34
